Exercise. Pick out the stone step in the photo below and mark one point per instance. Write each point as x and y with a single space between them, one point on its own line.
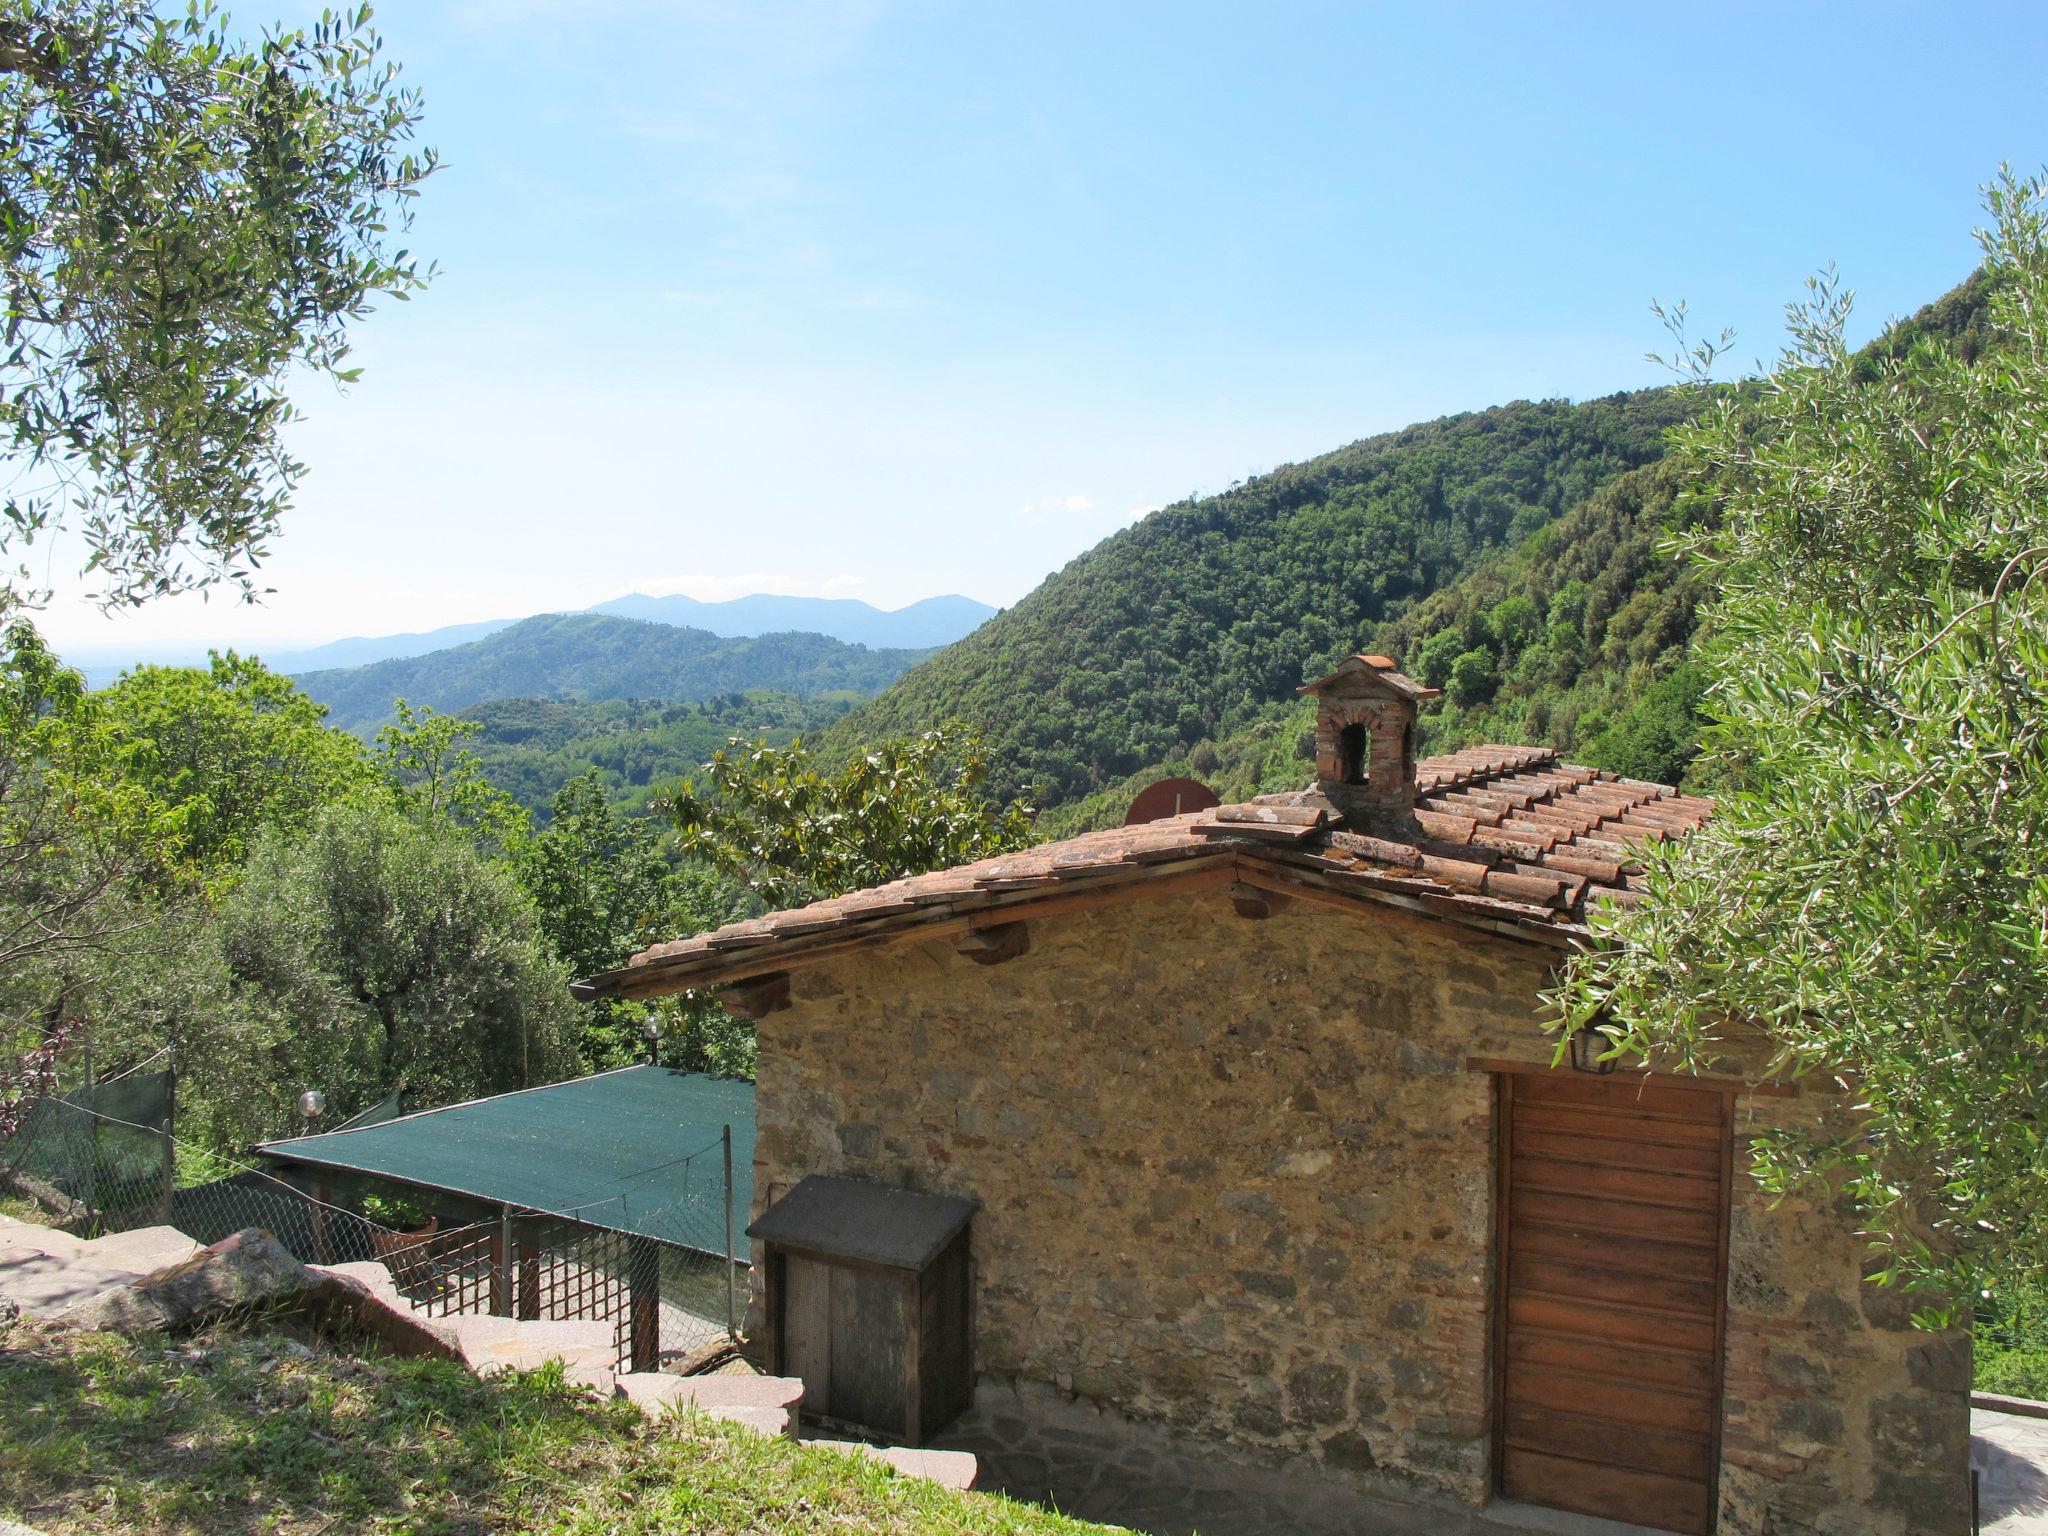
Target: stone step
373 1277
46 1272
144 1250
493 1344
19 1237
772 1422
949 1469
769 1403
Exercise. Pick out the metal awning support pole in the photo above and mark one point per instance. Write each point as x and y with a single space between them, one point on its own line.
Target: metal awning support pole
732 1330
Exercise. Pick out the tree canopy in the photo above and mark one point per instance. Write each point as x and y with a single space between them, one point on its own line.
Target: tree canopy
187 222
793 832
1873 889
1197 623
235 748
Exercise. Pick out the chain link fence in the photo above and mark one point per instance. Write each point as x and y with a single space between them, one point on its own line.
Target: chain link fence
78 1166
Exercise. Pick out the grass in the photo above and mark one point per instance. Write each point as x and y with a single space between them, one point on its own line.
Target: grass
262 1432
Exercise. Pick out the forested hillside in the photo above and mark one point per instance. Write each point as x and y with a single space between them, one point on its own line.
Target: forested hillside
530 748
598 656
1511 557
1188 627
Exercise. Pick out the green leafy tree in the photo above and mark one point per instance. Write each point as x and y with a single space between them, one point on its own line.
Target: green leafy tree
187 222
87 854
236 747
1516 622
1471 680
773 820
603 888
1433 661
382 948
1873 887
425 760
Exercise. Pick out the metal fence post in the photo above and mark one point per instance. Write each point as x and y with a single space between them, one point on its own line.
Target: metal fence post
643 1304
501 1265
526 1248
169 1145
731 1321
91 1182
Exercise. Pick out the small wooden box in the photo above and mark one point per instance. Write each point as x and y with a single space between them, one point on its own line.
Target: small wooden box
867 1297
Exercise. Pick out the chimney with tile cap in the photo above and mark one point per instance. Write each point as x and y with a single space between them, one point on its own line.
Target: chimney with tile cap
1365 740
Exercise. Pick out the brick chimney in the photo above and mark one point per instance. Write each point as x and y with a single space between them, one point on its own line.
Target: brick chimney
1365 741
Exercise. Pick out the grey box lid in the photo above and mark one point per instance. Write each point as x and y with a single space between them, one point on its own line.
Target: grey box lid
854 1219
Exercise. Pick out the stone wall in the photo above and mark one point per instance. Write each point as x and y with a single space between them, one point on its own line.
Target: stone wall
1237 1178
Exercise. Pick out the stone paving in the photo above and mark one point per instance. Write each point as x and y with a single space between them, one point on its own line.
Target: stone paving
1033 1444
2010 1453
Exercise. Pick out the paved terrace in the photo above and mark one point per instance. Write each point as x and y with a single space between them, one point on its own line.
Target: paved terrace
1092 1465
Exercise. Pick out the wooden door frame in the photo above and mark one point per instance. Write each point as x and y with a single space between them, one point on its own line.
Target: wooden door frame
1504 1074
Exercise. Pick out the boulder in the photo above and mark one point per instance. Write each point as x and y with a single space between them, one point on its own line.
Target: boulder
250 1271
343 1301
241 1273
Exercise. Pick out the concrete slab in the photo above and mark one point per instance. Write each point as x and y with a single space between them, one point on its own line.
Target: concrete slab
772 1422
656 1392
2010 1454
373 1277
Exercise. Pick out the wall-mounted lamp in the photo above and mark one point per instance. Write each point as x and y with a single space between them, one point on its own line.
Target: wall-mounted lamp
1588 1047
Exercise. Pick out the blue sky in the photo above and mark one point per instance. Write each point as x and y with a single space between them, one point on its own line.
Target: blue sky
886 300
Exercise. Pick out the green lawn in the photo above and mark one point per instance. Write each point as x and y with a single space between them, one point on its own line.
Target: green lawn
256 1432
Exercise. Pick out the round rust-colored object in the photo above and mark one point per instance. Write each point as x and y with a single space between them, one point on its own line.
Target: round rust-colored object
1170 797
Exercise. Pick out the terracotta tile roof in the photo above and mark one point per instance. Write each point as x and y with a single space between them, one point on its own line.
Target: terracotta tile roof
1510 839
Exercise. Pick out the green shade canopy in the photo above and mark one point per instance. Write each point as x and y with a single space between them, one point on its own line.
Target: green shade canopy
636 1150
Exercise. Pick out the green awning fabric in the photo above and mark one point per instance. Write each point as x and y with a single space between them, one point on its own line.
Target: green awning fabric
636 1150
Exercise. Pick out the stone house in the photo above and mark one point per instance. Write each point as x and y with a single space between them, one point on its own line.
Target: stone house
1267 1146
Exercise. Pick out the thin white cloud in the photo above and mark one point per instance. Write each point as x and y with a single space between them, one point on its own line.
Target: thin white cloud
1047 506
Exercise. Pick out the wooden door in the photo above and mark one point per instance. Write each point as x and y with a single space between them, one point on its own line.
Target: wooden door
844 1336
1613 1232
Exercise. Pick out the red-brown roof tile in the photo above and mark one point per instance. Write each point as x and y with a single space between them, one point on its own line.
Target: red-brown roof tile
1508 837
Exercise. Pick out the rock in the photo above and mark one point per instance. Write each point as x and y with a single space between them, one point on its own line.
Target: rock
252 1270
344 1301
237 1274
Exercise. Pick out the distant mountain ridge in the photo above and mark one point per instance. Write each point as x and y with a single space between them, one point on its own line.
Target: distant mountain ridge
923 625
597 656
930 622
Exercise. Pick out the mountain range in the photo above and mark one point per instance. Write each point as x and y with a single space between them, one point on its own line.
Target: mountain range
922 625
599 656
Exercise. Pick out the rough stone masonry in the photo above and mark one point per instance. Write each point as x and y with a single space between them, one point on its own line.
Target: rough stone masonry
1237 1178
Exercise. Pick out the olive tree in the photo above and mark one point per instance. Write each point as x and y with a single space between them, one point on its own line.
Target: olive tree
188 220
384 948
1873 888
